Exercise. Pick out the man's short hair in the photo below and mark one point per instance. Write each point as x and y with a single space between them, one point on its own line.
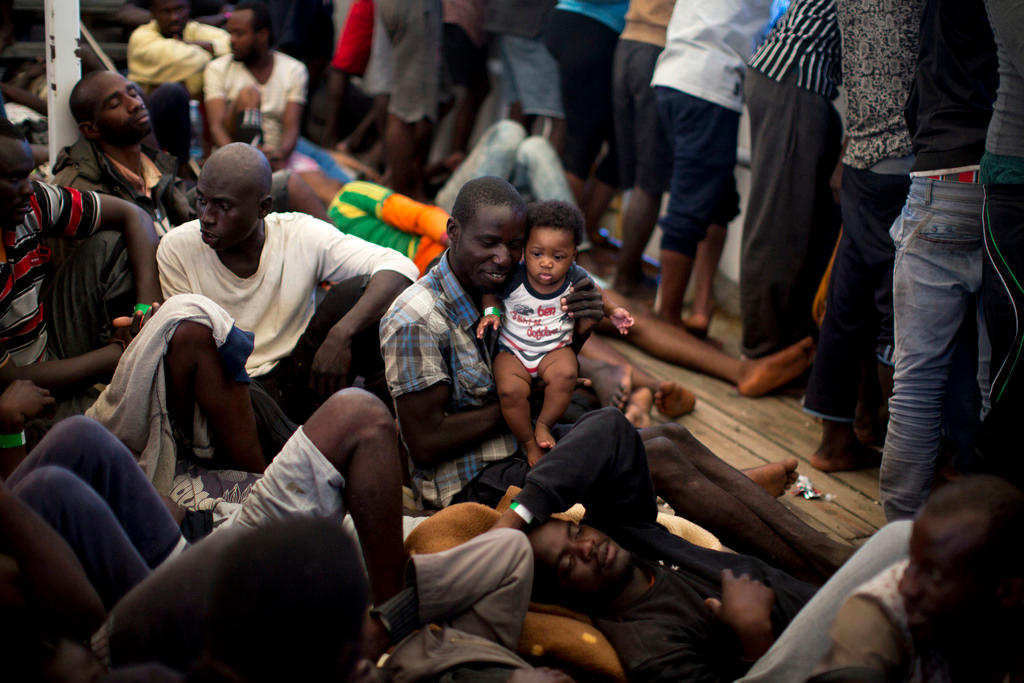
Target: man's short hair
260 16
9 130
486 191
1000 505
557 214
286 601
80 100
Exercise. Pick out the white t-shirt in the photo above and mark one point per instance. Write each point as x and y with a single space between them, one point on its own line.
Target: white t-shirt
277 301
707 47
224 78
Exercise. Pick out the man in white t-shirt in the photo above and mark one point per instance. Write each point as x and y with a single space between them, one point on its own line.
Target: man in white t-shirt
264 269
257 95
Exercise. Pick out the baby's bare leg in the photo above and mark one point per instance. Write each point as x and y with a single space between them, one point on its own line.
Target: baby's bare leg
558 369
514 382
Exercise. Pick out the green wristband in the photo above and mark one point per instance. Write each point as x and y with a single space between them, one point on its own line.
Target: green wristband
143 308
492 310
12 440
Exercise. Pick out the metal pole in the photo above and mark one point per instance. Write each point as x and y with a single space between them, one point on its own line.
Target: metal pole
63 69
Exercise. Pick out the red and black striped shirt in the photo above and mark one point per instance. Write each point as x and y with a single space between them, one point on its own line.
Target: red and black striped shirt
56 212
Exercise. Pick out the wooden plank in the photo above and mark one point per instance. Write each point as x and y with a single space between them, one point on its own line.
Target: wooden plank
770 428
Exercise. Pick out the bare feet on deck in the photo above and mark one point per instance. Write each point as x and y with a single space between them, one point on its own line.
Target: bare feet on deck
638 407
697 324
775 477
841 451
672 400
758 377
612 384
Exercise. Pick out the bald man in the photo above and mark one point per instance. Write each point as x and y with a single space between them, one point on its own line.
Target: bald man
265 268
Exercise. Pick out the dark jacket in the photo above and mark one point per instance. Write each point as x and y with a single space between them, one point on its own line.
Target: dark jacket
83 166
950 102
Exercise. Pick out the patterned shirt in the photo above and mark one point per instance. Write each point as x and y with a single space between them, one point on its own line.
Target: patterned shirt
56 212
429 336
806 37
880 44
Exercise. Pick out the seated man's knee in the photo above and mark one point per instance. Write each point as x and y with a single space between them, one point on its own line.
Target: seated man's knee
51 489
359 414
535 149
78 429
508 134
191 336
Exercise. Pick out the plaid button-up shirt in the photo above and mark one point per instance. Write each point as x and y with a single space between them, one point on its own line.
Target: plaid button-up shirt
429 336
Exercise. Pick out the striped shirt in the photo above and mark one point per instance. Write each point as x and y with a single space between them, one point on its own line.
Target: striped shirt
428 336
806 37
56 212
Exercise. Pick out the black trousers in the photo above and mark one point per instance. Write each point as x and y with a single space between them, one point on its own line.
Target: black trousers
1002 431
858 313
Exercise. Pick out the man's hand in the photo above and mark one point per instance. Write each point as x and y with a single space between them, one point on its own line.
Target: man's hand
21 401
746 606
584 304
331 364
127 328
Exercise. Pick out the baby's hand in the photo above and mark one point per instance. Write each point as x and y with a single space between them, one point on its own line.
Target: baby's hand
622 320
485 322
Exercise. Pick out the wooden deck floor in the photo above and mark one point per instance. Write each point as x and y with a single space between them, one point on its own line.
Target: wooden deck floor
747 432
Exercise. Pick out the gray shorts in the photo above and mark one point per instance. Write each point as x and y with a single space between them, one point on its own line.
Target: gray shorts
413 28
529 76
299 480
645 153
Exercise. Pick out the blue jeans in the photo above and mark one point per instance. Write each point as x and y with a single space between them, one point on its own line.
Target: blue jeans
936 279
505 150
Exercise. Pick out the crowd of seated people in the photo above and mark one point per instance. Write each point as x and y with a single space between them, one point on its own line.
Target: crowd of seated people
271 410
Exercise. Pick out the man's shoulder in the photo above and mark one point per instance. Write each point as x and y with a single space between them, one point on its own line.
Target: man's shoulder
78 166
148 31
421 304
184 239
287 63
221 64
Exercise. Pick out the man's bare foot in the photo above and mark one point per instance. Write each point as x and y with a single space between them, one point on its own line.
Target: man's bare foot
533 452
758 377
542 435
840 451
775 477
697 324
612 384
672 400
638 407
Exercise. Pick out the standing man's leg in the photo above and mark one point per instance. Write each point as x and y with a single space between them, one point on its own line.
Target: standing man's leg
703 137
645 161
1001 431
936 276
858 316
790 228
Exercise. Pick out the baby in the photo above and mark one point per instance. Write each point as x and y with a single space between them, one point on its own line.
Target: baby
535 337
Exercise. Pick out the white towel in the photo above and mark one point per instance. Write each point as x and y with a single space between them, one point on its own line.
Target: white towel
134 404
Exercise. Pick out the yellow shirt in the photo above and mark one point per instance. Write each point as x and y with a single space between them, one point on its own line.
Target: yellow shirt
154 59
